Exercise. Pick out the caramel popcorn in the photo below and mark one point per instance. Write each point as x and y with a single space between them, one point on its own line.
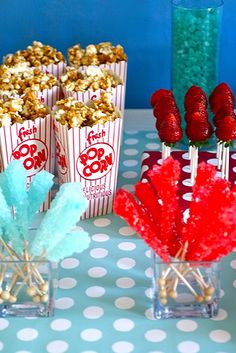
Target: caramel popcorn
101 53
17 110
17 80
35 55
94 78
72 113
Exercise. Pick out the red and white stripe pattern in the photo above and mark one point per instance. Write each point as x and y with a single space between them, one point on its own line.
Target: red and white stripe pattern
54 69
100 191
49 96
20 137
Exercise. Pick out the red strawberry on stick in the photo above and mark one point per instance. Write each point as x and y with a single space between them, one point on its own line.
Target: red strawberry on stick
226 134
170 133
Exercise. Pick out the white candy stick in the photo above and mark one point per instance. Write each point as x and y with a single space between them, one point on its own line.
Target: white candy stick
163 151
190 151
194 164
227 163
223 161
219 154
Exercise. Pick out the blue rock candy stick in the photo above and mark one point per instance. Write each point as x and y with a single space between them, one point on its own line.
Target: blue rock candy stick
75 242
39 187
65 211
8 228
15 192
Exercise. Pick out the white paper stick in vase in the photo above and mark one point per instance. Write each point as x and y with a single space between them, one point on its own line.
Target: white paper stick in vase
223 161
227 163
219 154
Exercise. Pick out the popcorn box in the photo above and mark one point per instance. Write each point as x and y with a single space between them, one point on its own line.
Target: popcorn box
49 96
90 155
54 69
118 94
30 142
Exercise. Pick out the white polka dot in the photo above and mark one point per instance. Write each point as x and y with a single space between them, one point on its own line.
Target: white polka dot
77 229
95 291
102 222
145 155
57 347
222 293
187 182
125 282
153 146
130 152
144 169
187 196
233 156
130 163
131 141
69 263
98 253
234 169
149 314
222 315
127 246
93 312
60 324
159 161
149 272
152 135
97 272
100 237
129 174
186 215
187 325
122 346
126 231
67 283
186 169
148 253
220 336
2 346
27 334
64 303
3 324
185 156
185 298
18 351
155 335
213 161
149 293
144 180
233 264
91 335
126 263
131 132
188 346
124 303
128 187
123 325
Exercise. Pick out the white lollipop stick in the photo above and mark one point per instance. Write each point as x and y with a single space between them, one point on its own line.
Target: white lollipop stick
223 166
227 163
194 164
219 154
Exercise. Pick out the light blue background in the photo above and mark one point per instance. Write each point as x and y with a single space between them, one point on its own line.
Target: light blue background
141 26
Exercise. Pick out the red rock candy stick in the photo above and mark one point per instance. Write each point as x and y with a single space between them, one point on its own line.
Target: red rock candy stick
135 215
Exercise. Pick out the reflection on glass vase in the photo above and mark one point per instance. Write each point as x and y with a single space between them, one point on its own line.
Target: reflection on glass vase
27 288
184 289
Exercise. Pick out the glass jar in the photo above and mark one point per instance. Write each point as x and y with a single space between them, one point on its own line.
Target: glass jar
27 288
184 289
195 45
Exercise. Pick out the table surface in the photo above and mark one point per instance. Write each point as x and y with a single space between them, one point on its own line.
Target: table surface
103 304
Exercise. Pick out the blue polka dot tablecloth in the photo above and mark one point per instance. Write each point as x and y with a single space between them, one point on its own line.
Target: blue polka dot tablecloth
103 304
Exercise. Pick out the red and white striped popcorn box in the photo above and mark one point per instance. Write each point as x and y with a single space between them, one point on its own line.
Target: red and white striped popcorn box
90 155
49 96
30 142
54 69
118 96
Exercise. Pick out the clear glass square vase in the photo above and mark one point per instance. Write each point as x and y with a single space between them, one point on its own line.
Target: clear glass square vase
185 289
27 288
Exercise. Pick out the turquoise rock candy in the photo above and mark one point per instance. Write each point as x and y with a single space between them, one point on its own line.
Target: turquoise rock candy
65 211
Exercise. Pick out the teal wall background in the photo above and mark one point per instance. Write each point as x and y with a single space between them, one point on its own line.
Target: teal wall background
141 26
